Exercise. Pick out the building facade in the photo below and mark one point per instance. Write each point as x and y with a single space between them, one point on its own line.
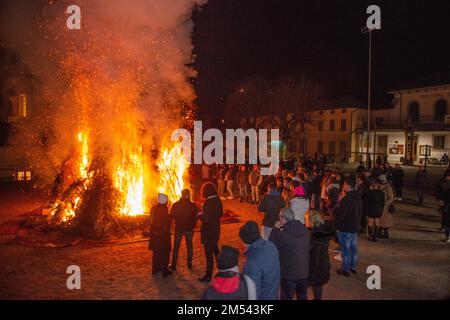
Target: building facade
417 127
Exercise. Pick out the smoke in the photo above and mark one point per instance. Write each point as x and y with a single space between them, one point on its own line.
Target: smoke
124 78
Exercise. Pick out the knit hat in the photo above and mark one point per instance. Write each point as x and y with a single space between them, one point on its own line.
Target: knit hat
162 198
299 191
382 178
228 258
249 232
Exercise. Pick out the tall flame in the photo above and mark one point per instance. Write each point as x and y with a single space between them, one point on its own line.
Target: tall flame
129 180
172 169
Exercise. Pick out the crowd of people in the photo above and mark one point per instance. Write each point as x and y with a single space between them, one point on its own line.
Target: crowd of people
304 207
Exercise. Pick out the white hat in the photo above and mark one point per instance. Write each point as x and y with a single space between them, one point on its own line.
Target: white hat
162 198
382 178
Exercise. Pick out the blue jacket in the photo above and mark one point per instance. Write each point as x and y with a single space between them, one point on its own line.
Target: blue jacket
263 266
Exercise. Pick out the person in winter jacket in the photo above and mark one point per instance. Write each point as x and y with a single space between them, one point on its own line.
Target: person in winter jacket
446 208
347 224
210 230
292 240
160 242
319 260
271 205
184 214
386 217
229 283
299 204
397 181
220 174
242 180
255 180
263 262
419 183
374 206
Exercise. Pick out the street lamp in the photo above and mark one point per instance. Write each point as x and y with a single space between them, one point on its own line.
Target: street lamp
369 89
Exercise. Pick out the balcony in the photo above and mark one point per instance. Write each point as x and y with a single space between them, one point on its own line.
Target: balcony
423 124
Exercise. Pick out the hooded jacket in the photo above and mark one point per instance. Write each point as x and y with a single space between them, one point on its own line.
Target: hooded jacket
263 267
293 247
271 205
230 285
348 213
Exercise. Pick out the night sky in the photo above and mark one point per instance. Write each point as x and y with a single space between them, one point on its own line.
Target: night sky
238 39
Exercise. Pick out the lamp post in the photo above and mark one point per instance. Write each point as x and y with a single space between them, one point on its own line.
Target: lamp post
369 94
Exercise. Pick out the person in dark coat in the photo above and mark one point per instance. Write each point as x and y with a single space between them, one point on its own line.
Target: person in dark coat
419 182
160 242
292 240
347 224
271 205
210 229
319 260
397 181
445 197
373 206
360 169
229 283
184 213
263 262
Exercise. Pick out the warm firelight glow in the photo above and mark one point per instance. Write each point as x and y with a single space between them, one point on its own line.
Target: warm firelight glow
172 169
129 180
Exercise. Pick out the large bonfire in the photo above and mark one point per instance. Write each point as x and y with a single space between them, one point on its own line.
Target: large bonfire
122 87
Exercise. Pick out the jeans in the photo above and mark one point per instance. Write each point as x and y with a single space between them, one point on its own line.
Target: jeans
420 195
398 191
220 187
447 231
266 232
289 287
349 247
255 194
243 192
317 293
211 251
176 246
230 184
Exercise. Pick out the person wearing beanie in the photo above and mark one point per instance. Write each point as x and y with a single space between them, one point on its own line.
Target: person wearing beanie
292 239
160 242
184 213
270 205
210 229
229 283
263 263
386 217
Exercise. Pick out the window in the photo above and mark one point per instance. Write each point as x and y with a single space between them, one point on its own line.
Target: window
343 124
320 125
320 147
293 146
439 142
332 148
331 125
414 111
440 110
343 147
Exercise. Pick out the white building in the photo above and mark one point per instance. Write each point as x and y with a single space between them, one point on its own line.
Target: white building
416 126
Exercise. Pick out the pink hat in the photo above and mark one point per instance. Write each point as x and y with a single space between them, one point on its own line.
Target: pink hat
299 191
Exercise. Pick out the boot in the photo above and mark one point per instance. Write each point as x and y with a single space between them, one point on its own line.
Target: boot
386 234
375 232
370 228
380 233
